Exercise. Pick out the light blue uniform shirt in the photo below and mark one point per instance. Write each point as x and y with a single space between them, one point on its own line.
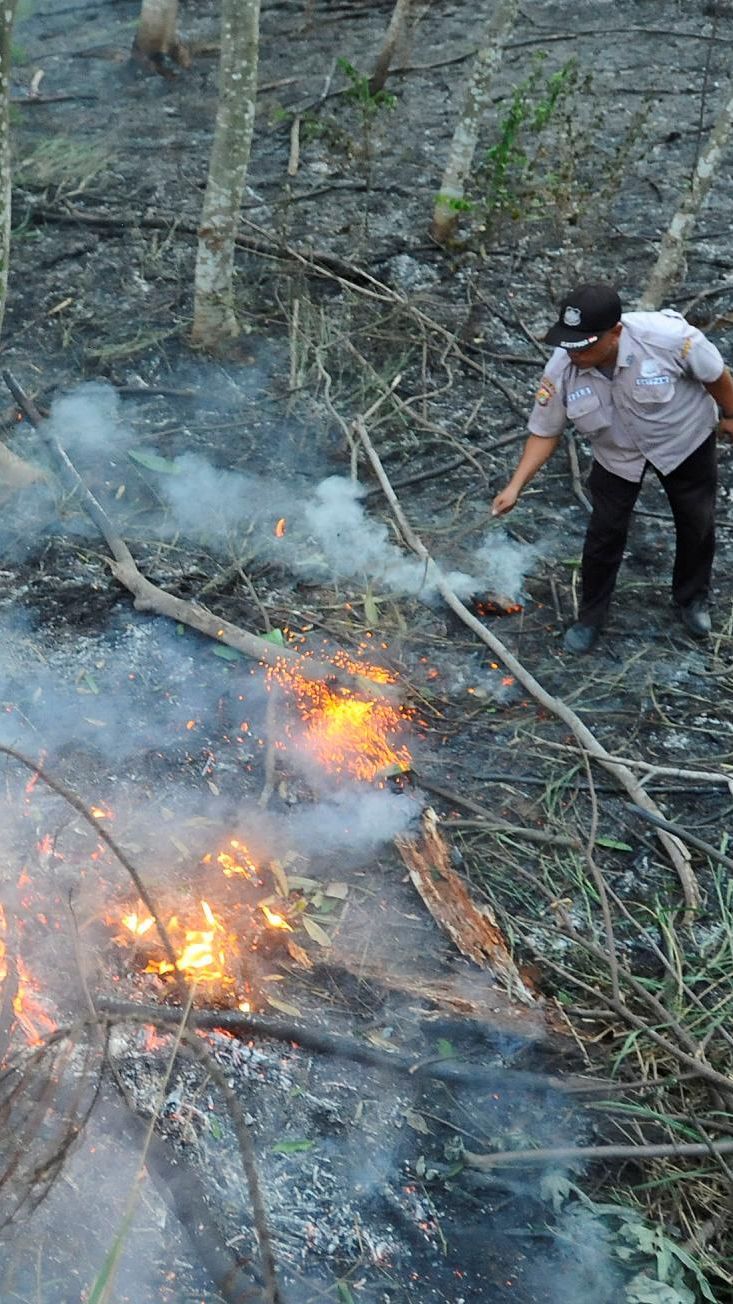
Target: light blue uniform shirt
653 409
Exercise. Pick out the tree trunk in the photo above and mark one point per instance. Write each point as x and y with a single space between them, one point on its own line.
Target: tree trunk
214 320
7 13
473 111
157 33
672 249
398 21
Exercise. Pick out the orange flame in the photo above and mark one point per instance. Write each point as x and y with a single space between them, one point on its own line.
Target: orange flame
274 920
280 528
345 733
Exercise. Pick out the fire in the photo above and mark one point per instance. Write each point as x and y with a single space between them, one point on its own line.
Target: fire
273 919
30 1015
280 528
137 925
347 734
240 862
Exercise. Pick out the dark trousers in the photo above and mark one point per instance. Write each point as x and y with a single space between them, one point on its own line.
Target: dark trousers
690 489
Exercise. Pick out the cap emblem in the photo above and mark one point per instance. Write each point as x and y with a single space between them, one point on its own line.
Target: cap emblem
571 316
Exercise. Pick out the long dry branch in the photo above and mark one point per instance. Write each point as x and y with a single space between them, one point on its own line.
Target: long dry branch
676 851
557 1154
243 1025
148 597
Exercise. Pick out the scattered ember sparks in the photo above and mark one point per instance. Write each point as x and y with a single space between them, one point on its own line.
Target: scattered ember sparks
100 813
273 919
190 724
347 734
280 528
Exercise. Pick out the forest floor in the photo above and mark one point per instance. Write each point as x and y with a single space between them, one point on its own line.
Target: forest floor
339 291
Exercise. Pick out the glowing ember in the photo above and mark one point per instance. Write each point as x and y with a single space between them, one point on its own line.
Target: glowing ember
137 925
274 920
30 1014
347 734
201 952
280 528
239 862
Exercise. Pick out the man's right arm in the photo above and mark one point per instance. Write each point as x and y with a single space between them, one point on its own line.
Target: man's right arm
537 450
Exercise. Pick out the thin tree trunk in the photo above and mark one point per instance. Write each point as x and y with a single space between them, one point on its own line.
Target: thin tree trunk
214 320
7 13
672 249
473 111
157 36
397 24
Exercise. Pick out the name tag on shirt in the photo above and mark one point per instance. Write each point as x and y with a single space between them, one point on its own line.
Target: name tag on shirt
653 380
584 392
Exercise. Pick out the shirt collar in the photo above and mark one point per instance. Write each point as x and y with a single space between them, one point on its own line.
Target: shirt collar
625 348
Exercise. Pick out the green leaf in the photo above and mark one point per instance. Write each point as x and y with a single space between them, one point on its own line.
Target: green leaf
446 1049
315 931
215 1128
613 844
180 630
344 1294
291 1147
227 653
154 462
274 636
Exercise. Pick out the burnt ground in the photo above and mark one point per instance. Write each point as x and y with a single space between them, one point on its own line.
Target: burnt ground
369 1200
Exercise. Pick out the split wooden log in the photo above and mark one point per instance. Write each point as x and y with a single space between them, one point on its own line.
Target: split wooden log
148 597
677 852
472 928
672 249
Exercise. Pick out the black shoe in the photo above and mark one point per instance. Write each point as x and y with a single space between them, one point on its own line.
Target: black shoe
696 618
581 638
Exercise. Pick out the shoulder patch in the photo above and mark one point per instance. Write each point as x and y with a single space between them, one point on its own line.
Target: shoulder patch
687 344
545 392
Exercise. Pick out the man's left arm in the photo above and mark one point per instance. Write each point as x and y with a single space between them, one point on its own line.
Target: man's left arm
722 391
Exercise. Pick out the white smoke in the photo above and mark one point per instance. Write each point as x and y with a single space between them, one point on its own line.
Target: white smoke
504 564
328 533
90 420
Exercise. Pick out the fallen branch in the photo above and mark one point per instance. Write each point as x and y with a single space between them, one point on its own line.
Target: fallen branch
521 1158
676 850
244 1026
684 835
148 597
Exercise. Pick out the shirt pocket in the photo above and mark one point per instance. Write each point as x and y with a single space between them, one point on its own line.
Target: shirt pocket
653 391
585 411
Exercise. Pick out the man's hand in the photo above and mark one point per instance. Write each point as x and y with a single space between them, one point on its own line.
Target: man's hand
504 501
725 428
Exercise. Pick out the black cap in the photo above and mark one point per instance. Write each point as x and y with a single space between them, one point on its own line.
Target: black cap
585 313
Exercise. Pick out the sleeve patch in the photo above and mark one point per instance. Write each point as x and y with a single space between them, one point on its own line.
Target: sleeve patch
545 392
687 344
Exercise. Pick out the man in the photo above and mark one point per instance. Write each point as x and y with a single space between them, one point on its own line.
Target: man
643 387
